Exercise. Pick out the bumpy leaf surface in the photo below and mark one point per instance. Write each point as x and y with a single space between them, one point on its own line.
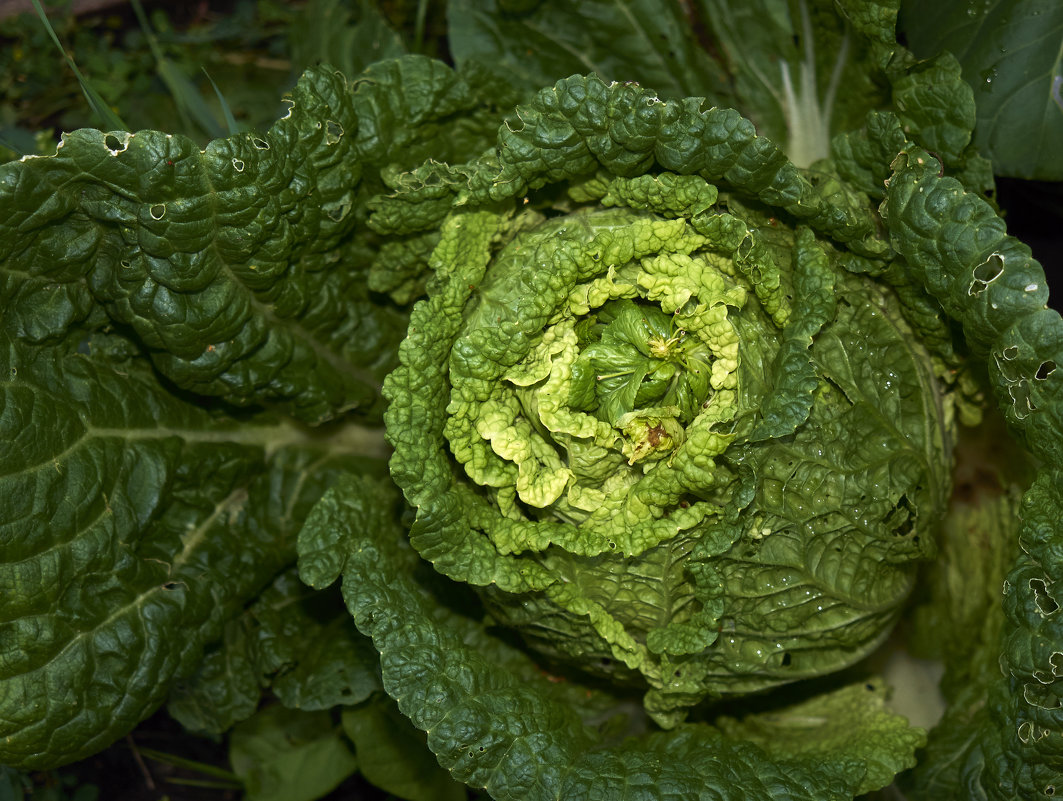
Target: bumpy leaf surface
134 523
293 641
570 129
173 318
213 258
495 722
991 284
653 420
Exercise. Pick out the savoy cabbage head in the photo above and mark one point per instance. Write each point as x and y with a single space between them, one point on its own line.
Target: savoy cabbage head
635 421
672 437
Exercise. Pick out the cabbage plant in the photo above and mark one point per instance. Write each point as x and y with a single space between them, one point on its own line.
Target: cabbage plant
675 387
695 453
687 426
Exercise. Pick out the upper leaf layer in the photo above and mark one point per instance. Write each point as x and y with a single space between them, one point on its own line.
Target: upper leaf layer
582 124
292 640
957 245
241 267
213 258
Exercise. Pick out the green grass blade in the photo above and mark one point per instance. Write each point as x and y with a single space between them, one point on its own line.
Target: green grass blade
207 784
419 26
190 764
8 145
191 104
108 118
188 98
227 112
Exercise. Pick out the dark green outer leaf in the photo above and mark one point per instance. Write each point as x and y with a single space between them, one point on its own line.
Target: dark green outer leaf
133 524
1028 719
234 264
989 282
292 640
288 755
1010 52
134 521
214 258
853 720
863 157
959 248
875 19
393 754
414 108
136 516
225 687
934 104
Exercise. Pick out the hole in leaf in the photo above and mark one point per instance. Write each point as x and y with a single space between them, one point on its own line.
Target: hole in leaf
1040 696
114 144
1045 370
985 274
333 132
990 269
337 211
1010 352
260 144
238 165
1024 731
907 523
688 308
1021 400
1056 661
787 660
158 211
745 246
1045 602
